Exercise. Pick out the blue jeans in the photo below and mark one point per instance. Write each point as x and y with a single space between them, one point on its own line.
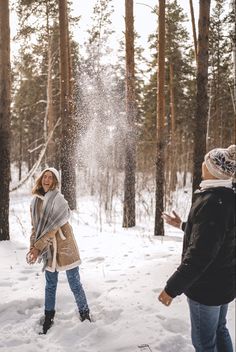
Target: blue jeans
76 287
208 328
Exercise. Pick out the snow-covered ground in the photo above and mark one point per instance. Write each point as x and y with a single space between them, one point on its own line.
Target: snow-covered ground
123 270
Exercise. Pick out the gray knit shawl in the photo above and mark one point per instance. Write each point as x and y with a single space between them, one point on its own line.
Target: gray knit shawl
55 213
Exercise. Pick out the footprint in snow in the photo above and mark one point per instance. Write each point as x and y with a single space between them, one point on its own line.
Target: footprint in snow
27 270
110 281
175 344
6 284
108 316
161 317
96 260
23 278
175 325
94 294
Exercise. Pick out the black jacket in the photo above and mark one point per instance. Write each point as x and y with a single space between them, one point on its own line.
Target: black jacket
208 268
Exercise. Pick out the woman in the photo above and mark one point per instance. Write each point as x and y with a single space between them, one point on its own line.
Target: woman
207 272
52 241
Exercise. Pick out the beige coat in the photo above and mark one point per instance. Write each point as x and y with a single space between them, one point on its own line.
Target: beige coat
65 252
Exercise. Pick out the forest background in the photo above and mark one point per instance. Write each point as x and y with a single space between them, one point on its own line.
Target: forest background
104 141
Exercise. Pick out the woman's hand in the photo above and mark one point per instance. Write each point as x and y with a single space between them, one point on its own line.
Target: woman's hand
173 220
164 298
32 255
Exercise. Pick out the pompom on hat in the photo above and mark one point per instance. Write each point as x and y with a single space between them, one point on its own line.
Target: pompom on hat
221 163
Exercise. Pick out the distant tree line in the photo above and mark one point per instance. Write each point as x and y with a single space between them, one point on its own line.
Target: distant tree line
97 113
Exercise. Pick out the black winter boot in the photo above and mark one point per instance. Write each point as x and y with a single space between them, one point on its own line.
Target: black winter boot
48 320
85 315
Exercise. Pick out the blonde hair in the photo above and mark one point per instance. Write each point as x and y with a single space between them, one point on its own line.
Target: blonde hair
38 183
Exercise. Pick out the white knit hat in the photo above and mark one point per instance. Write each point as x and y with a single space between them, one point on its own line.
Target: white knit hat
221 163
54 171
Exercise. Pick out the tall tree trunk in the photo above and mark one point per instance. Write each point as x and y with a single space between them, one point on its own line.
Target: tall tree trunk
5 96
50 111
130 160
20 148
68 126
172 101
193 27
234 58
159 228
200 127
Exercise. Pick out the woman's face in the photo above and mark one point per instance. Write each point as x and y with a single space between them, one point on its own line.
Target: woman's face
47 181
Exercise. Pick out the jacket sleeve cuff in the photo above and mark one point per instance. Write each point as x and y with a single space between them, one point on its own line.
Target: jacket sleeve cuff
169 292
176 284
183 225
39 245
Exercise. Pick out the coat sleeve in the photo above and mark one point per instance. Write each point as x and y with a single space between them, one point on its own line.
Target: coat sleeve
183 225
42 243
32 236
206 238
45 240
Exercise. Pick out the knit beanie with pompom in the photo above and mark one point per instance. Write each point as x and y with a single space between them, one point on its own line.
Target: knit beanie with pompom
221 163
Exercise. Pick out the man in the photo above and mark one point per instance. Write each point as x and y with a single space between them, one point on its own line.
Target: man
207 271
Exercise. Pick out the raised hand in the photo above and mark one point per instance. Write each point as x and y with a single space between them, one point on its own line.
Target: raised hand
173 220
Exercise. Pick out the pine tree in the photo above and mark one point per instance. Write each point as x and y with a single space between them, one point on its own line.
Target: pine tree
221 110
36 83
160 147
42 34
131 110
179 94
28 109
5 96
68 124
200 126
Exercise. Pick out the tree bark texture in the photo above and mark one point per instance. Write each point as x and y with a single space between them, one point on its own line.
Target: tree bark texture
200 125
130 158
234 58
50 112
67 121
5 96
159 227
193 27
172 100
